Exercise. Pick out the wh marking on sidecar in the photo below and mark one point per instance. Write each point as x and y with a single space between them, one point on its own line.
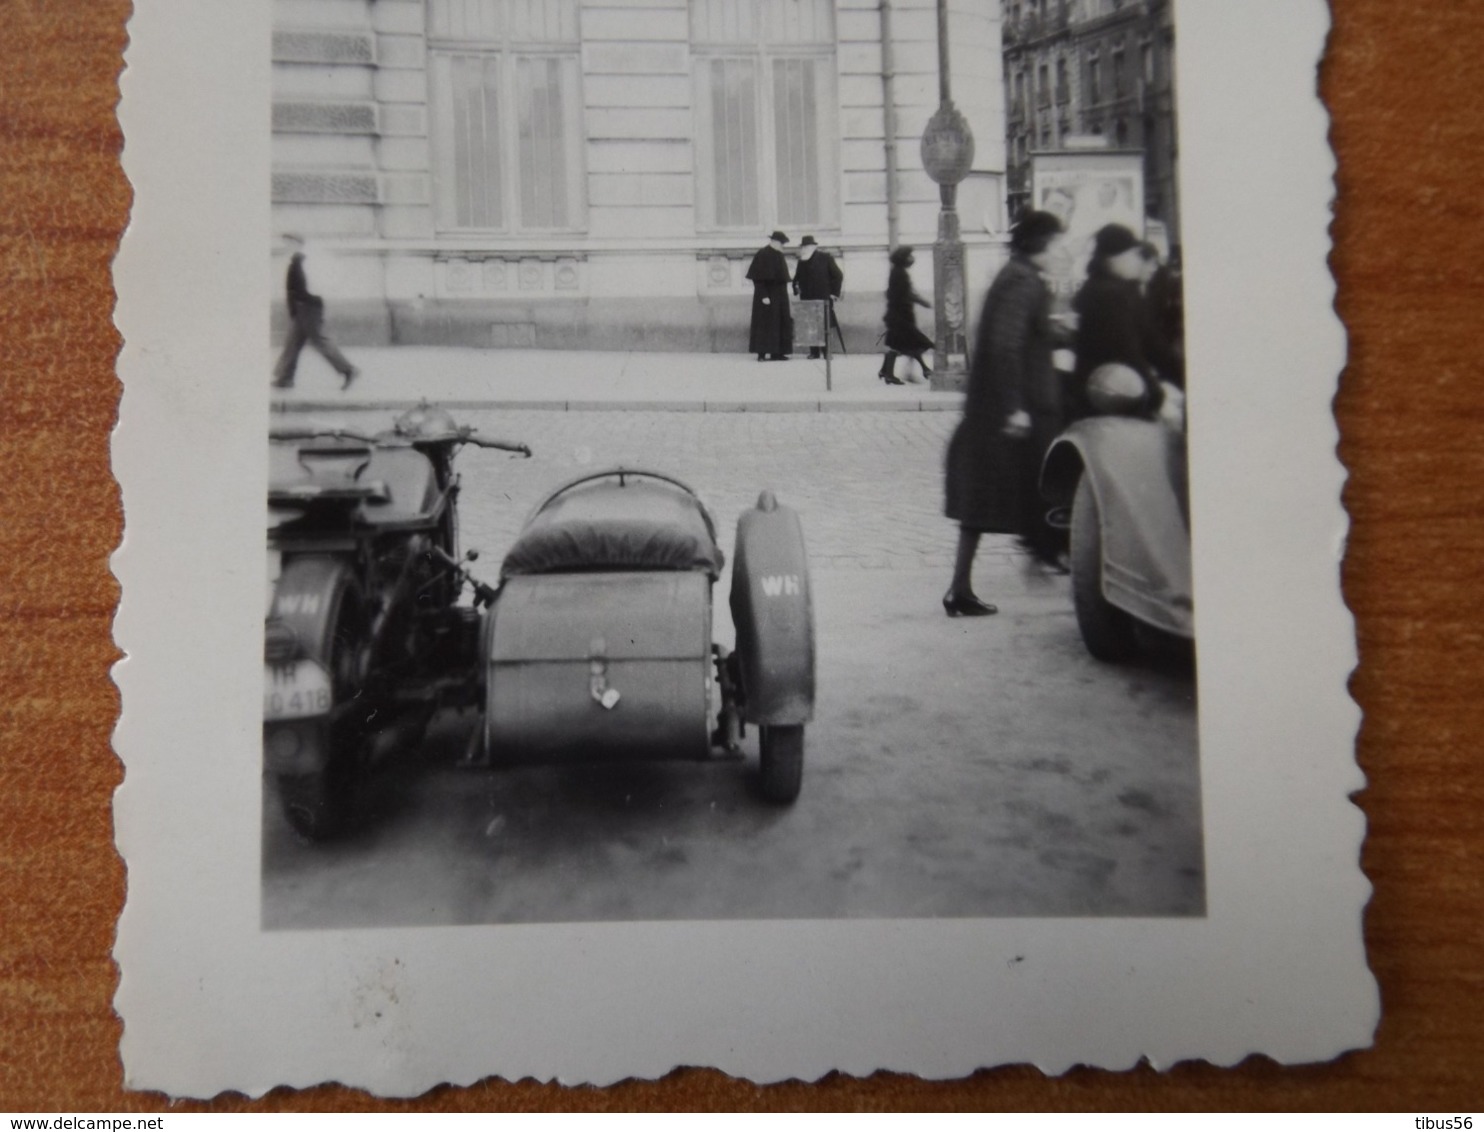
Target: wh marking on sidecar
775 585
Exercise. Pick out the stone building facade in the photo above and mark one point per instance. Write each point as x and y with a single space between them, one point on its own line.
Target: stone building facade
1078 70
597 173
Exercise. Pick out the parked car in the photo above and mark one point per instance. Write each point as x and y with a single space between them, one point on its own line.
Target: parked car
1120 480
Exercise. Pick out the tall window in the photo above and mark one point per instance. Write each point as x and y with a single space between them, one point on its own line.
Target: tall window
766 133
1094 80
506 115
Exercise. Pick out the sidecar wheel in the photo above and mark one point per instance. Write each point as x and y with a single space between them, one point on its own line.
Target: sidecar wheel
782 762
1107 631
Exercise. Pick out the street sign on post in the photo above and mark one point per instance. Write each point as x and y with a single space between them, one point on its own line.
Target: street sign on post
812 330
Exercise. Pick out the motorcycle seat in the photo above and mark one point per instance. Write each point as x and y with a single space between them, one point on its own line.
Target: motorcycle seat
617 526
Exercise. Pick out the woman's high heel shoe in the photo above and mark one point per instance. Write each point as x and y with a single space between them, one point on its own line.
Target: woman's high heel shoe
966 605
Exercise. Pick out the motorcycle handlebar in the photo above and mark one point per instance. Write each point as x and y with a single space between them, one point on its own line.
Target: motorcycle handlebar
319 434
502 445
347 434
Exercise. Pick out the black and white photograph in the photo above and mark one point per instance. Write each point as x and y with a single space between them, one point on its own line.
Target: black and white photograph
807 379
801 536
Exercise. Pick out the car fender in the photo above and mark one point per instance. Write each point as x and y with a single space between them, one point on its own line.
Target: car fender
1137 471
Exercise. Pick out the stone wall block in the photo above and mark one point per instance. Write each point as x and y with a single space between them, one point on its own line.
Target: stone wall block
635 59
397 16
858 24
401 51
303 186
324 219
405 188
329 47
405 120
404 155
401 86
638 90
651 123
346 14
406 222
860 59
308 117
641 24
317 82
626 156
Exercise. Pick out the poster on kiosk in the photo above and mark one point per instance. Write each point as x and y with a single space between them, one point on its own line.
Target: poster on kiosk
1087 188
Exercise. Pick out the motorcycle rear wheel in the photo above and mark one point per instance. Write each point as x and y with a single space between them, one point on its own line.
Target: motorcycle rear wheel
321 804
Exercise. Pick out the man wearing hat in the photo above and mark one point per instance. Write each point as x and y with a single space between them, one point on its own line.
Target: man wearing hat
306 324
818 276
772 333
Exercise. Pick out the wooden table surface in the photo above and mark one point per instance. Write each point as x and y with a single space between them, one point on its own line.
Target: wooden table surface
1403 83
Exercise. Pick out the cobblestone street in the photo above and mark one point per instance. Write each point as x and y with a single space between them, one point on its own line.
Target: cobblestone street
984 767
868 485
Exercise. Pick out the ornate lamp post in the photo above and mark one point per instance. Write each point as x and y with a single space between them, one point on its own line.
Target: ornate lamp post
947 154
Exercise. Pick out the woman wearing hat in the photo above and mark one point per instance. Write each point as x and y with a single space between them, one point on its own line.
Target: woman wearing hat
902 335
1012 412
1112 319
772 332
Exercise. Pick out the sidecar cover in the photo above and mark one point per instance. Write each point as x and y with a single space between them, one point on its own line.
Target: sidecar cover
616 525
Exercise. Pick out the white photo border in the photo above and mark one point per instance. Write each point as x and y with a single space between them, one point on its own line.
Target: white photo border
1277 966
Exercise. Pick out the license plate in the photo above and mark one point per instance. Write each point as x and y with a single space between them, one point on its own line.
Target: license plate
294 690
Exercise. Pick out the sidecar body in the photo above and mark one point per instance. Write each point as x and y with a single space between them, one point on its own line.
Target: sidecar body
599 644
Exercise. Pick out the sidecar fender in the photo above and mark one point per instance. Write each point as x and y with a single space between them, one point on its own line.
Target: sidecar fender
1137 472
773 612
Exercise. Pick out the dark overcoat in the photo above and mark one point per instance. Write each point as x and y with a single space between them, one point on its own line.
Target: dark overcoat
902 302
992 479
1113 325
772 325
819 277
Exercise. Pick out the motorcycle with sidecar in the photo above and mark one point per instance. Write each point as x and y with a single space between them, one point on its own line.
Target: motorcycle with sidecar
595 644
1119 478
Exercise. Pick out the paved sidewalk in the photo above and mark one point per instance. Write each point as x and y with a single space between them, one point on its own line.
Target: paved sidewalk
394 377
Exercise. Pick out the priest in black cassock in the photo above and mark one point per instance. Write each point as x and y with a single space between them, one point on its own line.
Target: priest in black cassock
772 325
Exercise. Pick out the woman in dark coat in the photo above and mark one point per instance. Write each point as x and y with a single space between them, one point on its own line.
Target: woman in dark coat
772 326
902 335
1113 324
1012 412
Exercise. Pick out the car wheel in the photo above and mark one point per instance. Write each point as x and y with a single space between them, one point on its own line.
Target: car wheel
319 805
782 762
1107 631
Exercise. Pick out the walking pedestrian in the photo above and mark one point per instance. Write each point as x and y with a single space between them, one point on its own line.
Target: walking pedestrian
772 334
902 335
1012 412
306 325
1113 322
818 276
